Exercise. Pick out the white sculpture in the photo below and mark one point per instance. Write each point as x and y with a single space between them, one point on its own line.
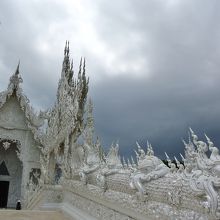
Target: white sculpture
172 166
149 168
106 186
6 145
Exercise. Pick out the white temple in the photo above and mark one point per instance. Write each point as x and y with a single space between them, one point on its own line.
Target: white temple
43 163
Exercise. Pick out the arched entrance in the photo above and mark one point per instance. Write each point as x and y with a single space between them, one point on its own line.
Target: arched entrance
4 185
10 173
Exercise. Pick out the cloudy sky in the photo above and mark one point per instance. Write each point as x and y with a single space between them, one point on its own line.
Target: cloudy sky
154 65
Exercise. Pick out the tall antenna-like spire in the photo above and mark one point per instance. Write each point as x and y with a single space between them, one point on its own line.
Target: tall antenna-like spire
15 79
68 48
65 49
17 69
84 67
80 69
66 60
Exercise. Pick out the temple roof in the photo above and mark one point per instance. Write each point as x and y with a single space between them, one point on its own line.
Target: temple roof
66 117
34 121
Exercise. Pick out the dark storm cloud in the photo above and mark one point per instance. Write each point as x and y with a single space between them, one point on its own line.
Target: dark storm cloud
154 65
141 110
181 48
24 25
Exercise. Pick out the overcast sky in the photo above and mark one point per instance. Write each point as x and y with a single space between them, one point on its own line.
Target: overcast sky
154 65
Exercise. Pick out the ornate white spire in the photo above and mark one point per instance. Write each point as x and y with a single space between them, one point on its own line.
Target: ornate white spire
67 69
15 79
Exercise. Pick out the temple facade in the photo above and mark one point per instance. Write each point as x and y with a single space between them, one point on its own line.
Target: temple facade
51 161
19 150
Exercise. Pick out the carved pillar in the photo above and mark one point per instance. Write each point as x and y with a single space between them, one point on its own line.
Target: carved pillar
51 168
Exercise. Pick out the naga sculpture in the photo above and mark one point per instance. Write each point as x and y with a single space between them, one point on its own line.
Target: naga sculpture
149 168
203 173
75 168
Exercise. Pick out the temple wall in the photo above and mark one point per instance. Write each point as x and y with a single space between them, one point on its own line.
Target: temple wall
13 126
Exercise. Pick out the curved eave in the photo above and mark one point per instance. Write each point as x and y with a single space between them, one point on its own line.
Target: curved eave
25 107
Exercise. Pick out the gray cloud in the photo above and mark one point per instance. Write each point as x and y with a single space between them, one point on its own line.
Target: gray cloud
153 65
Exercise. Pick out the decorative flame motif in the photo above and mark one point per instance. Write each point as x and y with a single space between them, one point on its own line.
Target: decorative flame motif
6 145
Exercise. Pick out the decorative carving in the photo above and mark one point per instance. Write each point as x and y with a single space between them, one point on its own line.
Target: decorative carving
6 145
203 173
149 168
80 170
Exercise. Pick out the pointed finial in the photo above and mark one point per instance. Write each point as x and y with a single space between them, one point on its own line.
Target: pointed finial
184 142
15 79
65 49
66 70
133 162
211 144
138 145
177 161
189 137
80 68
17 69
167 156
80 63
68 48
182 157
207 138
84 66
191 131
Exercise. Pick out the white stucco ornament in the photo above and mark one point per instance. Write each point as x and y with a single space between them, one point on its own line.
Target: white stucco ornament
6 145
54 161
